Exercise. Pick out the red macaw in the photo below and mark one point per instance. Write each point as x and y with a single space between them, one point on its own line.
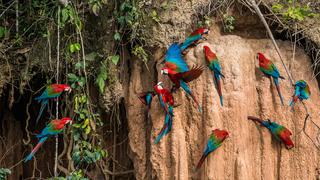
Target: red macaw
52 91
167 102
178 71
53 128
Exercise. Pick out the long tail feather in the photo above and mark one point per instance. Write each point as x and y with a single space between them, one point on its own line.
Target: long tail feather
186 88
293 101
218 85
44 104
201 161
35 149
276 82
165 129
255 119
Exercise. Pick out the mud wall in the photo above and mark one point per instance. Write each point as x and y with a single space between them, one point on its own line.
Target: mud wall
250 152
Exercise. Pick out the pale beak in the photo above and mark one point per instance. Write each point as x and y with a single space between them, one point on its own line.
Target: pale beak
161 71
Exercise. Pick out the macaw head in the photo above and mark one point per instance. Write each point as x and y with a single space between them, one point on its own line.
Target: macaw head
205 31
301 83
201 31
66 120
159 87
63 87
67 88
261 58
221 134
207 50
166 71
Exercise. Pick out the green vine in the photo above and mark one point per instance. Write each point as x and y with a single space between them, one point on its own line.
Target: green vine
292 10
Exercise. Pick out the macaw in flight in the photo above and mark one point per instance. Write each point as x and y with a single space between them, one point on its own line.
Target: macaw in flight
178 71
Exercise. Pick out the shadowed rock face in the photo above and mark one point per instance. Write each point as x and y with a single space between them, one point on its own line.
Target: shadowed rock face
250 152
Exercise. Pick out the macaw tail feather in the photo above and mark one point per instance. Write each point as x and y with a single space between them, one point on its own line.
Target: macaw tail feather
165 129
293 101
255 119
203 157
186 88
276 82
148 112
44 104
35 149
218 85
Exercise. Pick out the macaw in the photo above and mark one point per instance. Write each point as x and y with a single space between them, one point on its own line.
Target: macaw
51 91
53 128
269 69
167 102
193 38
302 91
178 71
214 66
146 98
280 133
216 138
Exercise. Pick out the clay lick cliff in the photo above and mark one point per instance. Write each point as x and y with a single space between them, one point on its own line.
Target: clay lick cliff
250 152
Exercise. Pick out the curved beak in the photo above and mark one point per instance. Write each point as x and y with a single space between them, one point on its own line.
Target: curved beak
161 71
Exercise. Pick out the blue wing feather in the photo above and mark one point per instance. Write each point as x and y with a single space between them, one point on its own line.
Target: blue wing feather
174 56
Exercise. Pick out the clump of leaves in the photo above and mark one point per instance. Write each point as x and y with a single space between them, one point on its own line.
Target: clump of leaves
102 77
77 175
139 52
4 172
86 152
205 22
291 11
154 16
3 32
228 22
96 5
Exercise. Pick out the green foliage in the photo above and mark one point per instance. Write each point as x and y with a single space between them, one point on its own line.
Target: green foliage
69 15
4 172
77 175
75 47
102 77
117 36
86 152
292 11
140 53
154 16
205 22
228 22
3 32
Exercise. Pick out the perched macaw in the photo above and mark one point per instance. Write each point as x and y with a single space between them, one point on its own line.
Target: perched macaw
302 91
214 66
146 98
178 71
52 91
53 128
269 69
194 37
280 133
216 138
167 102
